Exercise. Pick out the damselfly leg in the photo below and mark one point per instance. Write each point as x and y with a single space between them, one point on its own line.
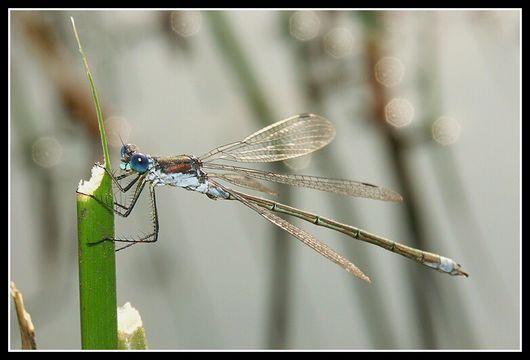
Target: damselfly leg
124 210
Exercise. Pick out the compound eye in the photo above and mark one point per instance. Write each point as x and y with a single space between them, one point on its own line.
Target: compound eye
139 163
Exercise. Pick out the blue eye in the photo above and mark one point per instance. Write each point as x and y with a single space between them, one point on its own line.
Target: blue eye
139 163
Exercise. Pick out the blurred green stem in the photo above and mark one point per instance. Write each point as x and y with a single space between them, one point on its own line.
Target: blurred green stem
449 180
307 54
423 289
279 281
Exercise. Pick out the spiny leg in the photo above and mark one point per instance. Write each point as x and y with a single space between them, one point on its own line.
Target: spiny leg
146 238
116 179
127 208
124 202
121 189
136 195
124 190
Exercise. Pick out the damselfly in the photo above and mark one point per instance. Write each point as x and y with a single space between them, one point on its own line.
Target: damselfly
290 138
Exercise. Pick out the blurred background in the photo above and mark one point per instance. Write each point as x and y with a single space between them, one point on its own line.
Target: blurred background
424 102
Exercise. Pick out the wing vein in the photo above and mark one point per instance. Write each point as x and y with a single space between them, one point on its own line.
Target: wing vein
337 186
296 136
301 235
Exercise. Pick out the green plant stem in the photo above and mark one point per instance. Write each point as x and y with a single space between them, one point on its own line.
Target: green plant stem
97 263
97 272
96 101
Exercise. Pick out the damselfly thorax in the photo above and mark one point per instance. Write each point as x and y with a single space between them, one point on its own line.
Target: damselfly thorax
182 171
290 138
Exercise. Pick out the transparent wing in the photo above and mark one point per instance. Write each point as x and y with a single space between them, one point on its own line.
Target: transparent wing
243 181
286 139
301 235
343 187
